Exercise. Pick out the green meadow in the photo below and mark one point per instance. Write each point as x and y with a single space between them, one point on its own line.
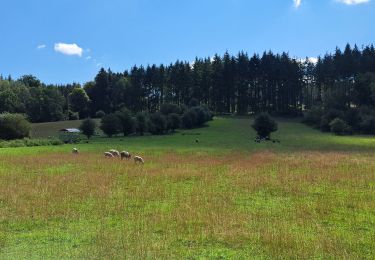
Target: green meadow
223 197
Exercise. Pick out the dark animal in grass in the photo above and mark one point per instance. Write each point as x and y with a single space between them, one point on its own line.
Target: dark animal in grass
197 140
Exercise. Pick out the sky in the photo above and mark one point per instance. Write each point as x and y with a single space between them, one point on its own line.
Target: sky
64 41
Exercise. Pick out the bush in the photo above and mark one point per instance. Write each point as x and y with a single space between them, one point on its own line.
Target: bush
339 126
167 109
158 123
127 122
13 126
110 125
202 116
99 114
368 124
189 119
353 118
73 115
313 117
174 121
324 124
327 118
366 111
209 115
141 122
88 127
264 125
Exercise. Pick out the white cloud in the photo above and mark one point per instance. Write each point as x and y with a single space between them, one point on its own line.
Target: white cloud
353 2
98 64
69 49
297 3
41 46
88 58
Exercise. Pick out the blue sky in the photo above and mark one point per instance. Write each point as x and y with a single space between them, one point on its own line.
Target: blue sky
62 41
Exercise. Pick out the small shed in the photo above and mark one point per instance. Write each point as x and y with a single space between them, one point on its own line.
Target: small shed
69 135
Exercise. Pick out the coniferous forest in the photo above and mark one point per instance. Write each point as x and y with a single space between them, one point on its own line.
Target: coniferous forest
337 84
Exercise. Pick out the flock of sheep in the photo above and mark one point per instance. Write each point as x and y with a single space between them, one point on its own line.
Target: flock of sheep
114 153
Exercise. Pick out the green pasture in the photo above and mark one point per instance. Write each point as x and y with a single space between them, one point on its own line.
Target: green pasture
224 197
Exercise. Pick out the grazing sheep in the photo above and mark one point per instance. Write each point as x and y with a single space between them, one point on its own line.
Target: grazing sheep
138 159
75 151
125 154
108 155
115 153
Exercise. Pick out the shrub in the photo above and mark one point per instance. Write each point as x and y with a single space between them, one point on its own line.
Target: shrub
110 125
264 125
88 127
99 114
366 111
174 121
127 122
209 115
141 122
202 116
324 124
338 126
368 124
352 118
73 115
167 109
13 126
313 117
327 118
158 123
189 119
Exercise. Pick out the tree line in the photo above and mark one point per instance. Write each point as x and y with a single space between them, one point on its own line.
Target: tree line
339 91
274 83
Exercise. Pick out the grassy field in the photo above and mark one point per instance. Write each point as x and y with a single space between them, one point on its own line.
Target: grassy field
312 196
45 130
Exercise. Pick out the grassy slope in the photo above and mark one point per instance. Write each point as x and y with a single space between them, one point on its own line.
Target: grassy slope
313 195
45 130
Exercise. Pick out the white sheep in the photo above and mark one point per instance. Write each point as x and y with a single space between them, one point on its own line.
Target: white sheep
125 154
138 159
108 155
114 152
75 151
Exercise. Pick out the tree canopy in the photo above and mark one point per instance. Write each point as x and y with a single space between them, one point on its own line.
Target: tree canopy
273 83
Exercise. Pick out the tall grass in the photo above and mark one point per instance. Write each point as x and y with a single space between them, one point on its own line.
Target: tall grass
220 198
